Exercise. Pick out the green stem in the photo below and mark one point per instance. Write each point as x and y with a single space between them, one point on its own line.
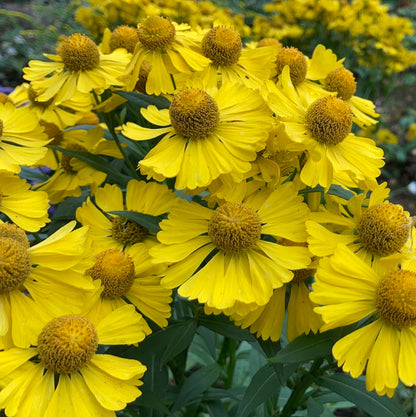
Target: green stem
120 148
228 349
295 398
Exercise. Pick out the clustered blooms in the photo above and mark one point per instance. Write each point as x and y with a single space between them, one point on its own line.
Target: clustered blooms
242 153
374 35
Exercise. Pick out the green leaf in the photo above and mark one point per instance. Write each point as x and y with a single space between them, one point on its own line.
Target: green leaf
177 338
143 100
263 385
311 346
196 384
151 400
216 409
314 407
222 325
146 220
354 390
97 162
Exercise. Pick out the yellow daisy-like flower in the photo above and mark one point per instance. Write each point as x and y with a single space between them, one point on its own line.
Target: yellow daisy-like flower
62 116
371 227
232 254
323 126
78 67
167 48
129 276
348 290
71 174
231 62
204 135
26 208
69 377
22 139
109 231
38 281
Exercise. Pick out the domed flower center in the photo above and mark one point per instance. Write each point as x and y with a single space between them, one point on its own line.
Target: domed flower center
156 32
300 275
297 63
124 37
142 79
329 120
383 228
66 159
269 42
234 227
396 298
67 343
79 53
127 231
341 81
194 113
53 132
115 269
14 259
222 45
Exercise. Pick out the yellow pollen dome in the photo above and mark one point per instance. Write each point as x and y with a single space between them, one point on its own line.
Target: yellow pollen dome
52 131
194 113
67 343
14 264
156 32
384 228
291 56
79 53
234 227
396 298
66 159
127 231
222 45
115 269
341 81
329 120
124 37
269 42
14 232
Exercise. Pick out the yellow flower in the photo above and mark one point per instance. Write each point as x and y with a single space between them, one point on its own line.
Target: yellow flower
348 291
39 281
110 231
230 62
323 126
69 377
22 139
168 48
78 67
129 276
204 135
232 254
63 115
72 173
371 227
26 208
385 136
